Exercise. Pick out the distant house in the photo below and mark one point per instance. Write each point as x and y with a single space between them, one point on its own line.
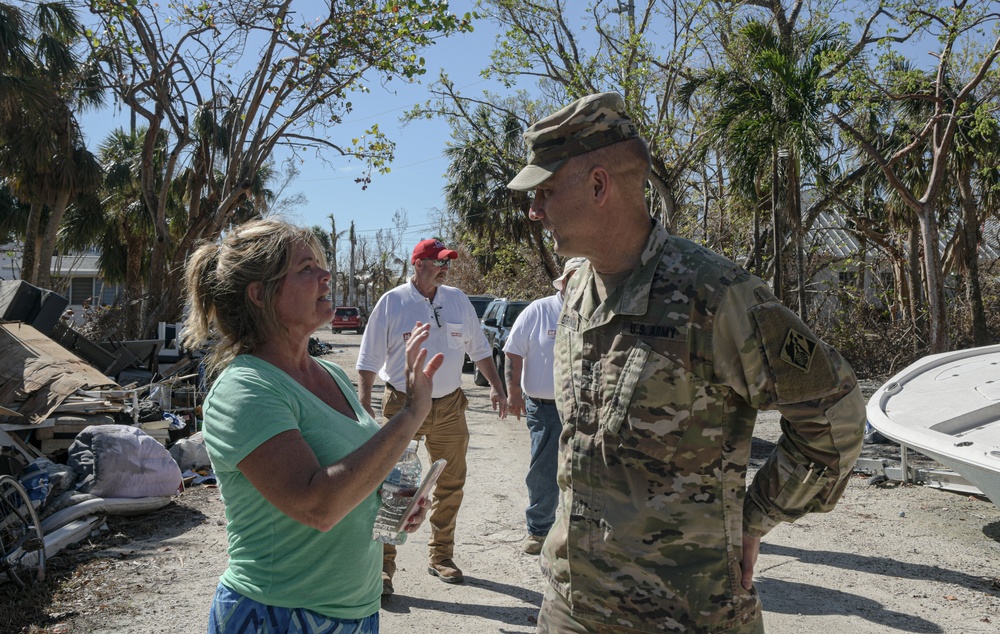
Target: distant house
840 265
78 277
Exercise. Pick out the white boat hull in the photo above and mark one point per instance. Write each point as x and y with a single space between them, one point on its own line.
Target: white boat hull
947 407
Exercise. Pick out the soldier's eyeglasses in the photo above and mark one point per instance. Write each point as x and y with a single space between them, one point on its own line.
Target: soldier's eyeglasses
438 263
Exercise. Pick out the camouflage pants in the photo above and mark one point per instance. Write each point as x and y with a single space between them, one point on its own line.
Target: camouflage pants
556 617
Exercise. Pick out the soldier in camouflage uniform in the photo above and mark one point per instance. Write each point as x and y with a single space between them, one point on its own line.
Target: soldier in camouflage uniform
664 353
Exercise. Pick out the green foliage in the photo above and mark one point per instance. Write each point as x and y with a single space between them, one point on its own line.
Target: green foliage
231 83
770 99
44 162
484 156
514 273
878 343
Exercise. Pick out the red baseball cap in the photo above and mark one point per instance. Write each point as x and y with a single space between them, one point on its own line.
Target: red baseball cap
432 249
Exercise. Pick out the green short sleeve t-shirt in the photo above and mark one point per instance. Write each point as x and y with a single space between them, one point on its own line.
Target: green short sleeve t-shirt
274 559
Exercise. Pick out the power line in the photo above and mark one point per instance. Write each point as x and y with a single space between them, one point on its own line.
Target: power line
433 225
382 114
397 167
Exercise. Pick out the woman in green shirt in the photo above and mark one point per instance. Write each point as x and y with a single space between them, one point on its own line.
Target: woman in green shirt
297 457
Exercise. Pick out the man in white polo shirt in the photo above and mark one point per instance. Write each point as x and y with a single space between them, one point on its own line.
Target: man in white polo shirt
530 389
455 331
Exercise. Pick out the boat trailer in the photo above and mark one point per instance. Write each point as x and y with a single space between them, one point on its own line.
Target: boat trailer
902 471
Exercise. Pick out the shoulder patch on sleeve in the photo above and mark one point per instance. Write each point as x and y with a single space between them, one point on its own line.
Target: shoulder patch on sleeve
798 350
798 364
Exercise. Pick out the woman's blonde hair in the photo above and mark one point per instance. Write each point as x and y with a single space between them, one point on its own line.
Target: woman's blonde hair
218 276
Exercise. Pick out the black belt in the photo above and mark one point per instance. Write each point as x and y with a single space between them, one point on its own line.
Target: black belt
543 401
433 399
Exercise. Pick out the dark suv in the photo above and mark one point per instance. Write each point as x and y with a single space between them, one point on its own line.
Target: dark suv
347 318
480 302
497 320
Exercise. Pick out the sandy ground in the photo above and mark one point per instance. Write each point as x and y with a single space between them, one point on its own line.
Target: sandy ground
895 559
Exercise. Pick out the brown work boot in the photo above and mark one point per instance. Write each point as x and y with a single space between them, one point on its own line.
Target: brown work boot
446 571
387 588
533 544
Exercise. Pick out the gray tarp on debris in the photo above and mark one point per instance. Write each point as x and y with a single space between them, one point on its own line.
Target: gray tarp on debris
119 461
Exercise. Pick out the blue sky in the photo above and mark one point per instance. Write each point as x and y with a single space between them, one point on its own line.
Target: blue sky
416 179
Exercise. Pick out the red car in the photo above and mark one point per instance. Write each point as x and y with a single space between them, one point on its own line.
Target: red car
347 318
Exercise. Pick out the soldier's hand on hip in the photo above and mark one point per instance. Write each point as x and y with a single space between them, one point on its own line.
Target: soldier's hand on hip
751 548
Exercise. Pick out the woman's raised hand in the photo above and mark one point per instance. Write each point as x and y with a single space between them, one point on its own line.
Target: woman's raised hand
420 376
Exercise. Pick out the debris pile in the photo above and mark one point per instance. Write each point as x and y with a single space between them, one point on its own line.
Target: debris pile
58 387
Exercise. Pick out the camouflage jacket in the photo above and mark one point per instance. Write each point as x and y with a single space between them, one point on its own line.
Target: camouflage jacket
658 389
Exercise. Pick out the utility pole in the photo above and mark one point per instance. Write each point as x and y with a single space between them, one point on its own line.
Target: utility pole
333 260
350 282
627 8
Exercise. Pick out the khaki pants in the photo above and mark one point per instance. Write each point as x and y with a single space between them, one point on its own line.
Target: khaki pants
446 435
556 617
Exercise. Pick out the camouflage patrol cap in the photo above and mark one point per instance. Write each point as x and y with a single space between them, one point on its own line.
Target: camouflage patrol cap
587 124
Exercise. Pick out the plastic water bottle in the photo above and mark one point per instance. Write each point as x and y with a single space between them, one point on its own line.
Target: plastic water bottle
405 475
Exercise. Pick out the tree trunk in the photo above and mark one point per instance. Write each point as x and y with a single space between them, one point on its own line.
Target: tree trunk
167 305
133 284
915 287
170 309
32 243
157 273
970 236
668 206
794 206
800 273
938 317
777 231
44 277
162 282
705 205
902 298
861 281
755 259
544 254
